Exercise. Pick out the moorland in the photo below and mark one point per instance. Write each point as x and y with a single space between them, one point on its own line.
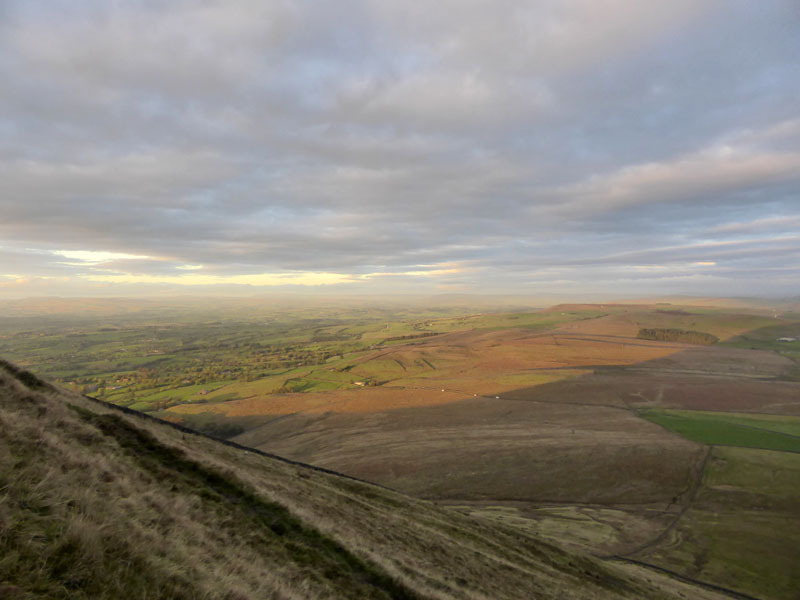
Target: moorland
98 502
655 435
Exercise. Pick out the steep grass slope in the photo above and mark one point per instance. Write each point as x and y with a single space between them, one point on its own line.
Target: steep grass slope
100 503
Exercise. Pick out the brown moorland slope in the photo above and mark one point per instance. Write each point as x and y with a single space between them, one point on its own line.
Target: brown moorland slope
97 502
568 456
454 423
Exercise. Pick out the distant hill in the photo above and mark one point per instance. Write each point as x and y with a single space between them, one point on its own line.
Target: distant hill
99 502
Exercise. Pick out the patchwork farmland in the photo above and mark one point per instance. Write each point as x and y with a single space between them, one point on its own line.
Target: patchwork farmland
563 422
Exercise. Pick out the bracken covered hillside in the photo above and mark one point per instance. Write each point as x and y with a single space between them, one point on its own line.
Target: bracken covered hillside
100 503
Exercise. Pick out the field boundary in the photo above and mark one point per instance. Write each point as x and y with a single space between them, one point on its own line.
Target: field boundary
693 489
184 429
686 579
776 432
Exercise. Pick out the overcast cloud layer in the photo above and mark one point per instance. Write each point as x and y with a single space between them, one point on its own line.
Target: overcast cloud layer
545 147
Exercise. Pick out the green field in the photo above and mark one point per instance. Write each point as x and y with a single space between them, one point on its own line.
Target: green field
741 531
770 432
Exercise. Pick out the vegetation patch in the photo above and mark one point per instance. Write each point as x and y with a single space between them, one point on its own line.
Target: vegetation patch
731 429
26 377
208 423
741 530
677 335
261 522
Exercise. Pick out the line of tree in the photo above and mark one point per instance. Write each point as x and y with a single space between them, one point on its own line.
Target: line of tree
683 336
412 336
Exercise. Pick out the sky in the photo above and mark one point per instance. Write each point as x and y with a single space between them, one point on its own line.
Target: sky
606 147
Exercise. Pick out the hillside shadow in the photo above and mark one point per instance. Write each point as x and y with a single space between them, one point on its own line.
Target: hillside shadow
745 373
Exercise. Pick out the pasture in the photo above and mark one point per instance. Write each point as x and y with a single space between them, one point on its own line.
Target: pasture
768 432
741 531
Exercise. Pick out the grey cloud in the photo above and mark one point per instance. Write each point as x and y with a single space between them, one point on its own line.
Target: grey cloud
381 135
777 224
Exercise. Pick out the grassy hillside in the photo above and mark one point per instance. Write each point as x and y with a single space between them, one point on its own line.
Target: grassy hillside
741 530
100 503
